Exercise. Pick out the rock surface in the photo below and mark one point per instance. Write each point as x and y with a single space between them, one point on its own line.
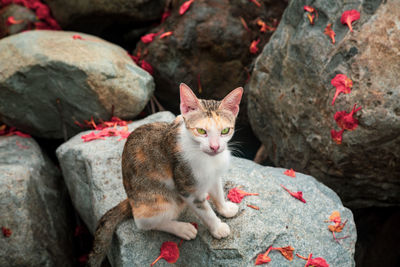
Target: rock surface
52 80
290 97
22 15
93 175
33 206
209 45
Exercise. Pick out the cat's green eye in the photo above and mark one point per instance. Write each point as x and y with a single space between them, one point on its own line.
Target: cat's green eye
201 131
225 131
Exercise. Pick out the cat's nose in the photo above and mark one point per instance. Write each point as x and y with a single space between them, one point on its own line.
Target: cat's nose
214 147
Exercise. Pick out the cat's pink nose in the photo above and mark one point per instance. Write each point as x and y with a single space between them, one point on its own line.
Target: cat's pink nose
214 147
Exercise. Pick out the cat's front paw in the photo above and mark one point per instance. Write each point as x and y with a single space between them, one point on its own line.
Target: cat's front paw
229 210
222 230
187 231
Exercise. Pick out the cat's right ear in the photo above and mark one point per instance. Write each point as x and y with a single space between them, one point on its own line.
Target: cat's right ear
189 101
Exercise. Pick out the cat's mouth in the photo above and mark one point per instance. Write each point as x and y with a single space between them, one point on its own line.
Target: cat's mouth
212 153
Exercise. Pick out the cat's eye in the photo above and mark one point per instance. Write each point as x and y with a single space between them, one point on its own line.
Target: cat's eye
225 131
201 131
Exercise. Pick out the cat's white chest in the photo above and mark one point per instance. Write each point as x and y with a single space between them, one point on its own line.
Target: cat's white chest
208 169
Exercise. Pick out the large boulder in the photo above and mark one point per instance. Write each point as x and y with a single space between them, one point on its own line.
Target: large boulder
93 175
34 206
51 79
209 47
291 93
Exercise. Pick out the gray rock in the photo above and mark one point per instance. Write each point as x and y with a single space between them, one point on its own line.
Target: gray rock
48 80
33 204
290 97
93 175
20 13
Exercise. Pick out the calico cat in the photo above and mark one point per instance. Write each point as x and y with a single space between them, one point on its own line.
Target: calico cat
166 167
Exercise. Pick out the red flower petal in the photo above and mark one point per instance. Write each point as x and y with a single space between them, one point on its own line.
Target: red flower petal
343 85
253 207
147 67
263 257
328 31
253 46
337 136
309 9
298 195
165 34
184 7
148 38
236 195
290 173
77 37
256 3
346 120
317 262
311 18
169 251
6 231
349 16
286 252
11 21
165 15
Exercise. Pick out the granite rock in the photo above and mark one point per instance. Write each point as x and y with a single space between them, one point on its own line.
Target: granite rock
290 95
93 175
49 80
34 206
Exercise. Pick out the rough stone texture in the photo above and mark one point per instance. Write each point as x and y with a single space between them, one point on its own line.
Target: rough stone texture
33 205
93 175
20 13
290 99
106 18
89 77
209 42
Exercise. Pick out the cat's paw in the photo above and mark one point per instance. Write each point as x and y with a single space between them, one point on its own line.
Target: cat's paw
222 230
187 231
229 210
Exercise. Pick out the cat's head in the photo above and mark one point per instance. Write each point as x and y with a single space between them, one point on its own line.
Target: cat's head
210 123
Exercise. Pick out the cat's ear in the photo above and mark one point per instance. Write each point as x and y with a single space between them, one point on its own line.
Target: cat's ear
232 100
189 100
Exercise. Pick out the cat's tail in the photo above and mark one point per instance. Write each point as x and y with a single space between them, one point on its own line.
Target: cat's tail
105 230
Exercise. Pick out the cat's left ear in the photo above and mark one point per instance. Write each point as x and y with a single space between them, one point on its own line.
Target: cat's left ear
232 100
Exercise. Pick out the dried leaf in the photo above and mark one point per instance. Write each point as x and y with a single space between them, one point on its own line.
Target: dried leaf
290 173
343 84
346 120
349 16
298 195
165 34
236 195
335 217
184 7
253 46
337 136
169 251
6 231
263 257
253 207
328 31
309 9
